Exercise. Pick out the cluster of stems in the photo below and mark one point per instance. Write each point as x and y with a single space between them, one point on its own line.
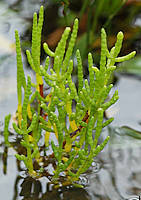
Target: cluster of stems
75 116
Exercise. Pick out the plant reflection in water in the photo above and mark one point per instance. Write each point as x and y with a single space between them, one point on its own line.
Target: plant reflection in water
26 187
35 189
115 175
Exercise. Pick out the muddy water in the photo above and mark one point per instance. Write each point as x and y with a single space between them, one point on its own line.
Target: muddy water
116 173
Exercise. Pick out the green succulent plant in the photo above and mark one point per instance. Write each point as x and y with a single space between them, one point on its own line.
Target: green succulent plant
75 116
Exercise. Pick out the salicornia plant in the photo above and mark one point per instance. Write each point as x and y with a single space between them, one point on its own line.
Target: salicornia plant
73 115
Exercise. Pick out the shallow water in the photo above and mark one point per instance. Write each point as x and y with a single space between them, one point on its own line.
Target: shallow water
116 173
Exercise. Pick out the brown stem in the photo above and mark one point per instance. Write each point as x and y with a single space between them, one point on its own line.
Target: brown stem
85 119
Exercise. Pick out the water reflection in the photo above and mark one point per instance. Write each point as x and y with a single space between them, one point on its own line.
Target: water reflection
4 158
134 198
116 174
25 187
9 22
31 189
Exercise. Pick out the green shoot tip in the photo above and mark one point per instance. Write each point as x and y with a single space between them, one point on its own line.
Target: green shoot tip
120 35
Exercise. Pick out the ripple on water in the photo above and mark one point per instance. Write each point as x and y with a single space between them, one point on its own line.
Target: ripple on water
134 198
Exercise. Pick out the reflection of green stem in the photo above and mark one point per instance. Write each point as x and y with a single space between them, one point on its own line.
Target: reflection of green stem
4 159
6 132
